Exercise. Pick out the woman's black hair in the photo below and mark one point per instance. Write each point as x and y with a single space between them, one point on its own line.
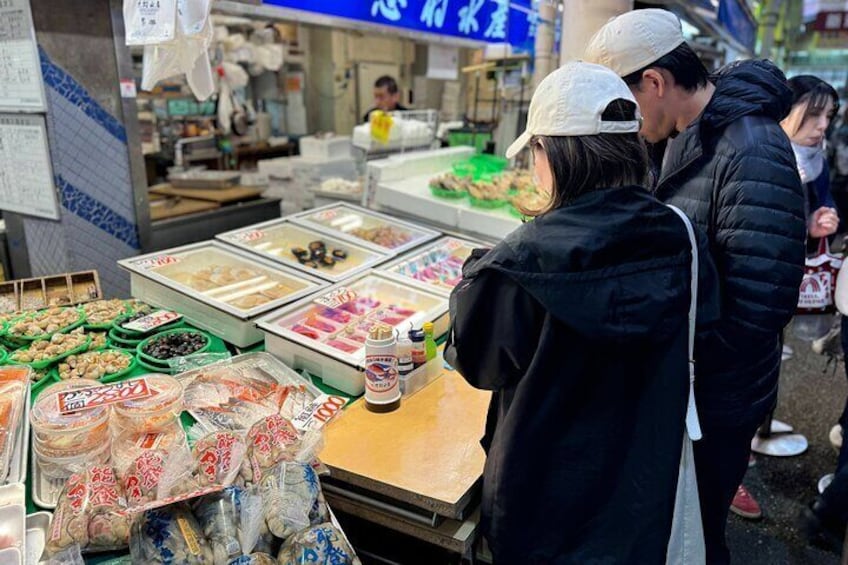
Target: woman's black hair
813 89
582 164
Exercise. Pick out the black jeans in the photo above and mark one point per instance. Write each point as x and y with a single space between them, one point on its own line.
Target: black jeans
721 459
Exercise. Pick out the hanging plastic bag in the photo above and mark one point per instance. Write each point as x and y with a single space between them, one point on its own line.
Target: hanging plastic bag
150 22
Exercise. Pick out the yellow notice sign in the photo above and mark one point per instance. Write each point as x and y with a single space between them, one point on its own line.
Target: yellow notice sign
381 126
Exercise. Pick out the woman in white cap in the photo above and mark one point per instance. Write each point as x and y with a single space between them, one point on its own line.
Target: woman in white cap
578 322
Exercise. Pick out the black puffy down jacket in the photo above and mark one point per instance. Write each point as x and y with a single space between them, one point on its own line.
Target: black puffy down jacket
733 172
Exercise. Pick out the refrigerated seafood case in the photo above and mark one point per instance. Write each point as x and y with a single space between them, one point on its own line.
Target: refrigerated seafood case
436 266
217 288
304 248
325 334
371 229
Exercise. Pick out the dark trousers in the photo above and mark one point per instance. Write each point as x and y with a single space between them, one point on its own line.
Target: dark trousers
721 459
835 498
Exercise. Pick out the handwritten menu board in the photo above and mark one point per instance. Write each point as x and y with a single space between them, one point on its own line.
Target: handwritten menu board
21 88
26 176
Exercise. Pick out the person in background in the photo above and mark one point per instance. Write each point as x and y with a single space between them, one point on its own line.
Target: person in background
583 445
731 169
814 105
386 96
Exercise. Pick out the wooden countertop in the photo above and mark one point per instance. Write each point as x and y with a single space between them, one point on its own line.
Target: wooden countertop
427 453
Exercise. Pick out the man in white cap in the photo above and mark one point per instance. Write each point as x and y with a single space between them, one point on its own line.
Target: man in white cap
730 168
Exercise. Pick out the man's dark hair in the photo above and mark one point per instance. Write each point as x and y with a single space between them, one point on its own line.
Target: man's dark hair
582 164
388 82
684 65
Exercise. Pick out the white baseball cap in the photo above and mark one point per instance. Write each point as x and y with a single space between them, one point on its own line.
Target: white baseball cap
634 40
571 101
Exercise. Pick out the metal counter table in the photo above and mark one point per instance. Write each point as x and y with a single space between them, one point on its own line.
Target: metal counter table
416 470
192 228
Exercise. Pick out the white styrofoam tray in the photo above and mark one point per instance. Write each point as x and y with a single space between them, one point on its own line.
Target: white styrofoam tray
432 254
13 522
273 240
37 528
232 324
341 218
339 369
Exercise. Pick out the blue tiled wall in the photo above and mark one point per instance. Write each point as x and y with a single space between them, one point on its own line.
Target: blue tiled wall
88 147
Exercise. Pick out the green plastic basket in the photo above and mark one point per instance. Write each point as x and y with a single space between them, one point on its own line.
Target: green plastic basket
150 360
48 379
165 370
487 204
26 339
112 377
448 194
47 362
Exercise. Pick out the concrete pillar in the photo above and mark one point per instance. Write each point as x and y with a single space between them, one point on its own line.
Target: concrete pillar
546 61
94 148
581 19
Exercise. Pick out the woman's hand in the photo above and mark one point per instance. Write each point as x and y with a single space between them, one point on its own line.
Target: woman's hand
823 222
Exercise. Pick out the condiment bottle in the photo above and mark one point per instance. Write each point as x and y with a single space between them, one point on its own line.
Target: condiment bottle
429 341
419 354
404 353
382 389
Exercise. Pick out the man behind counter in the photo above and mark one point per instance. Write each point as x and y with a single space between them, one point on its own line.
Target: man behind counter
386 96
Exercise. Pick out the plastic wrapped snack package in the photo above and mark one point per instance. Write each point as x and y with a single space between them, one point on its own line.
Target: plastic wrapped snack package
169 535
270 441
322 543
217 459
292 499
231 521
254 559
91 513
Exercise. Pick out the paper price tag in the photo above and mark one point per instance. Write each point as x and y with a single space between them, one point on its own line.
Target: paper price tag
247 236
156 262
381 126
88 398
337 297
325 216
150 21
319 412
153 321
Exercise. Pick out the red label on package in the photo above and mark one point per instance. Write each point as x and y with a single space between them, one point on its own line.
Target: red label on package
246 236
152 321
336 298
217 460
149 441
144 476
325 215
319 412
156 262
88 398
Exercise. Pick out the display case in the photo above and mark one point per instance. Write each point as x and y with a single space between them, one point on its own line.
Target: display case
368 228
436 266
325 334
305 249
216 287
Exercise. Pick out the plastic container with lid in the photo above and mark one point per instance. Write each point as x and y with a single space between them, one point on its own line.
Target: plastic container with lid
129 445
154 413
77 430
62 465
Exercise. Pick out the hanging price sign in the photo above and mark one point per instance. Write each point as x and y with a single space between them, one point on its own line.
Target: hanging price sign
381 126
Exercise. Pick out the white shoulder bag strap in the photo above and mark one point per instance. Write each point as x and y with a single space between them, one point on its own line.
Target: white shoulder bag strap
693 425
686 541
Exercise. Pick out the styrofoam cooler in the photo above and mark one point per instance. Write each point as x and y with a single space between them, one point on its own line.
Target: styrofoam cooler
325 148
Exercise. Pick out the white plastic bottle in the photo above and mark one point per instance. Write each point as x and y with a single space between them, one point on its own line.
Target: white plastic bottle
382 387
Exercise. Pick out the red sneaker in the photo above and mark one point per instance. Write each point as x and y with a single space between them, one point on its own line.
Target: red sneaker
745 506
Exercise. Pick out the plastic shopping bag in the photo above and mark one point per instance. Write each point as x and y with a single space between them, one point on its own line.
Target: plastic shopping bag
150 22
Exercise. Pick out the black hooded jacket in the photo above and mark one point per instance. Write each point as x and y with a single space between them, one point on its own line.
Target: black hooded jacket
578 322
733 173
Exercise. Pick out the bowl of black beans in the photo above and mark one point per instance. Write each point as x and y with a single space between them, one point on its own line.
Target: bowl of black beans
171 344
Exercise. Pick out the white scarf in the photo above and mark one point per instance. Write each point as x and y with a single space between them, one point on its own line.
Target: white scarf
810 161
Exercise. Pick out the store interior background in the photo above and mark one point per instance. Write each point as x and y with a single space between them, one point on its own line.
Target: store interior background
107 149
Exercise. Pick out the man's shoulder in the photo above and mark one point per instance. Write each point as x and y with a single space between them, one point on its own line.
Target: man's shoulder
753 134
